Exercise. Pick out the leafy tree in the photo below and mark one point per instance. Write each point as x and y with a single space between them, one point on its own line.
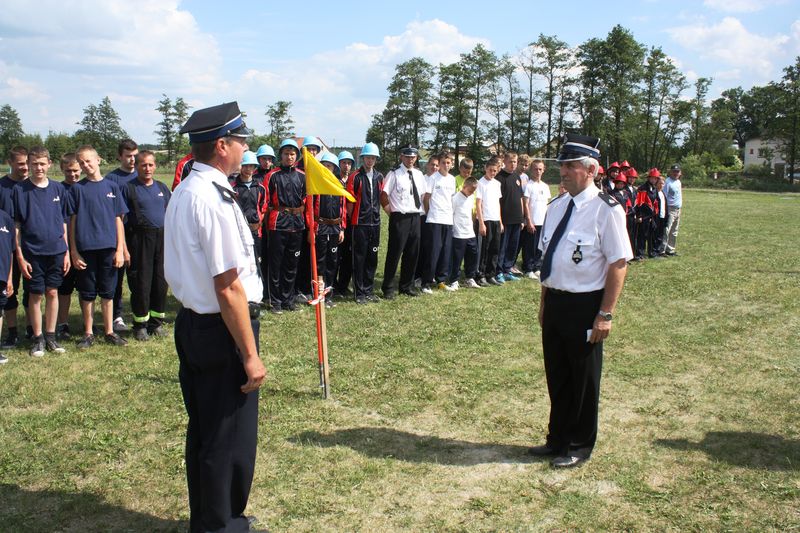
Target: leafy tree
411 98
166 127
58 144
552 60
457 99
10 129
100 127
180 114
787 126
479 69
280 122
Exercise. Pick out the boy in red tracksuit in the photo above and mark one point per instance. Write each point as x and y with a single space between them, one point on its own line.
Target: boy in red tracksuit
646 208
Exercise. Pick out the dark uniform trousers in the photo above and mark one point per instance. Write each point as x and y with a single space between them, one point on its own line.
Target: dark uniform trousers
327 248
572 367
284 254
345 271
146 276
644 236
509 241
436 252
466 250
490 248
404 239
366 240
222 432
531 254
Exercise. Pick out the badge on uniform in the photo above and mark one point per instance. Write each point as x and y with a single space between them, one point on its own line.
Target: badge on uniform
577 255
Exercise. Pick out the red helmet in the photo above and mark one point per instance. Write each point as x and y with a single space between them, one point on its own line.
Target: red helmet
601 171
620 177
613 165
625 165
654 173
631 173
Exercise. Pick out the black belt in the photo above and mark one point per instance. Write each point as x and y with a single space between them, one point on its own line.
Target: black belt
568 293
254 309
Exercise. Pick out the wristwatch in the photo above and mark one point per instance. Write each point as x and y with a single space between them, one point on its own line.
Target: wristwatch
604 315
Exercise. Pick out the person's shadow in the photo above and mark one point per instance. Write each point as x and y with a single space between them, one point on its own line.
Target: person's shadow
382 442
743 448
25 510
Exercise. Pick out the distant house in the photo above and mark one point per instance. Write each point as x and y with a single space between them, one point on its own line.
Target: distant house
765 152
491 147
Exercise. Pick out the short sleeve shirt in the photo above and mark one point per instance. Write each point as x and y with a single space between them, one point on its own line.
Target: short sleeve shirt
596 232
206 235
463 228
95 206
397 186
8 243
440 205
489 192
7 194
40 212
152 201
538 194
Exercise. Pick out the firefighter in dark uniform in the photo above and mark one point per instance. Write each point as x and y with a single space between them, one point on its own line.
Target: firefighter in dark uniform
364 216
585 251
266 162
345 272
211 268
252 198
286 192
646 208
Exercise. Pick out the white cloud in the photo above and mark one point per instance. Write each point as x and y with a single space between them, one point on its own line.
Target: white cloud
741 6
14 89
731 44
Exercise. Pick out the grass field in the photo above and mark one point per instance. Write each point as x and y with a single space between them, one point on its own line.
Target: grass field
435 400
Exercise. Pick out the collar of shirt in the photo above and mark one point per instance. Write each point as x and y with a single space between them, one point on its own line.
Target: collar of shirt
213 174
585 196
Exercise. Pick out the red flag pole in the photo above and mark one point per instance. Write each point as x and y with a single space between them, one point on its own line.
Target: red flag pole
317 301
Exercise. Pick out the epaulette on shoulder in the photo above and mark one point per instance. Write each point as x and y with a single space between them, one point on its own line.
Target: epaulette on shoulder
607 198
556 198
227 195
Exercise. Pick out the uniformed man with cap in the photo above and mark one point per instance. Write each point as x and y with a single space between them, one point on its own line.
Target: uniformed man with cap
210 264
401 198
585 252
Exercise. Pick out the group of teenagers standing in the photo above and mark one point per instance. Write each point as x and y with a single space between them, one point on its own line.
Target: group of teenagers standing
85 235
444 231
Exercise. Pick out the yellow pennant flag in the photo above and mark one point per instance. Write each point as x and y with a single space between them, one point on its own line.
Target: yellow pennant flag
320 180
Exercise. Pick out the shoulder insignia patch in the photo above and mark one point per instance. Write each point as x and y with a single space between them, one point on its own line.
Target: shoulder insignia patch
607 198
227 195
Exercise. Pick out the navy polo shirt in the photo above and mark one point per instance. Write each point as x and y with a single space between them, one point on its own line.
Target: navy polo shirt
40 212
6 194
120 177
96 205
8 243
152 201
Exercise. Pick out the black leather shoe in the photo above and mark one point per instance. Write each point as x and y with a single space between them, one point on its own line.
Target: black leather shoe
542 451
567 461
411 293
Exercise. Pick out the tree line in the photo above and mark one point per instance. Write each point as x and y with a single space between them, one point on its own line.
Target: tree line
633 97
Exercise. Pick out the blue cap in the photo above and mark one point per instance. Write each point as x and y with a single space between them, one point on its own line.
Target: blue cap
344 154
576 147
291 143
330 158
265 150
224 120
249 158
312 141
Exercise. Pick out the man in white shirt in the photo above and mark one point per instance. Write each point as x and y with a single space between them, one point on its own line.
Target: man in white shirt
536 196
403 190
438 200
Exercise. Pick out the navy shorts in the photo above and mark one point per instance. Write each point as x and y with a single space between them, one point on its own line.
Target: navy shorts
47 272
3 294
68 285
99 278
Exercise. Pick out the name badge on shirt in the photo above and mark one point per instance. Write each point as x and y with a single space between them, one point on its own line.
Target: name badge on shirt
577 255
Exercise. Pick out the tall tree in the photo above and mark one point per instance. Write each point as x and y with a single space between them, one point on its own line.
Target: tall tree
280 121
479 69
411 98
787 127
180 114
100 127
553 61
699 115
166 127
457 102
10 129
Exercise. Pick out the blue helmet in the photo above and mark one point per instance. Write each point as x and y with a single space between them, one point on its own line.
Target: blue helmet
344 154
265 150
370 149
249 158
291 143
330 158
312 141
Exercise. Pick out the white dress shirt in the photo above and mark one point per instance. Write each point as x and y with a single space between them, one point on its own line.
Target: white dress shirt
596 230
397 186
204 236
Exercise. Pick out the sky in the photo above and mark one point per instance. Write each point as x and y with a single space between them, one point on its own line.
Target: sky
334 60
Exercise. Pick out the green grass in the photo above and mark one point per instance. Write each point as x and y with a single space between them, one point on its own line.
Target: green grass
435 400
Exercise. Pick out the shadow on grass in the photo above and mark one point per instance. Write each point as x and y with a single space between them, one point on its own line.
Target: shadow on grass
49 510
388 443
743 448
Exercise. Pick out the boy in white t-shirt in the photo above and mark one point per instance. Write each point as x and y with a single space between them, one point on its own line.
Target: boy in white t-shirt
536 195
438 201
465 245
490 225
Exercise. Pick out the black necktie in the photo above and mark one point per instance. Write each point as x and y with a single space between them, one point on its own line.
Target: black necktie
547 260
414 189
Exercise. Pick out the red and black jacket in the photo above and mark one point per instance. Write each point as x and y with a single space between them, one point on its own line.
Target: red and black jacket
286 189
623 196
367 207
328 215
253 201
646 205
182 169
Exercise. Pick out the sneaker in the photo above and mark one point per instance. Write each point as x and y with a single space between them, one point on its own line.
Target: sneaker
63 333
157 331
86 342
492 281
517 272
529 275
417 283
500 279
452 287
329 303
115 339
373 298
37 348
470 284
361 300
3 359
537 273
442 285
510 277
483 283
303 298
427 290
120 326
52 346
10 341
276 310
140 334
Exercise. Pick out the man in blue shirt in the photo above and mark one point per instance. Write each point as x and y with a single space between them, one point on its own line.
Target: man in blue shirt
42 247
97 241
147 201
674 195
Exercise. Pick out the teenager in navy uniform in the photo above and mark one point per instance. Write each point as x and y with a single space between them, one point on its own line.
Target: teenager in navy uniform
364 216
147 200
40 211
327 219
585 251
252 199
7 249
96 241
345 271
286 190
126 154
403 190
72 173
266 162
18 163
210 265
265 156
